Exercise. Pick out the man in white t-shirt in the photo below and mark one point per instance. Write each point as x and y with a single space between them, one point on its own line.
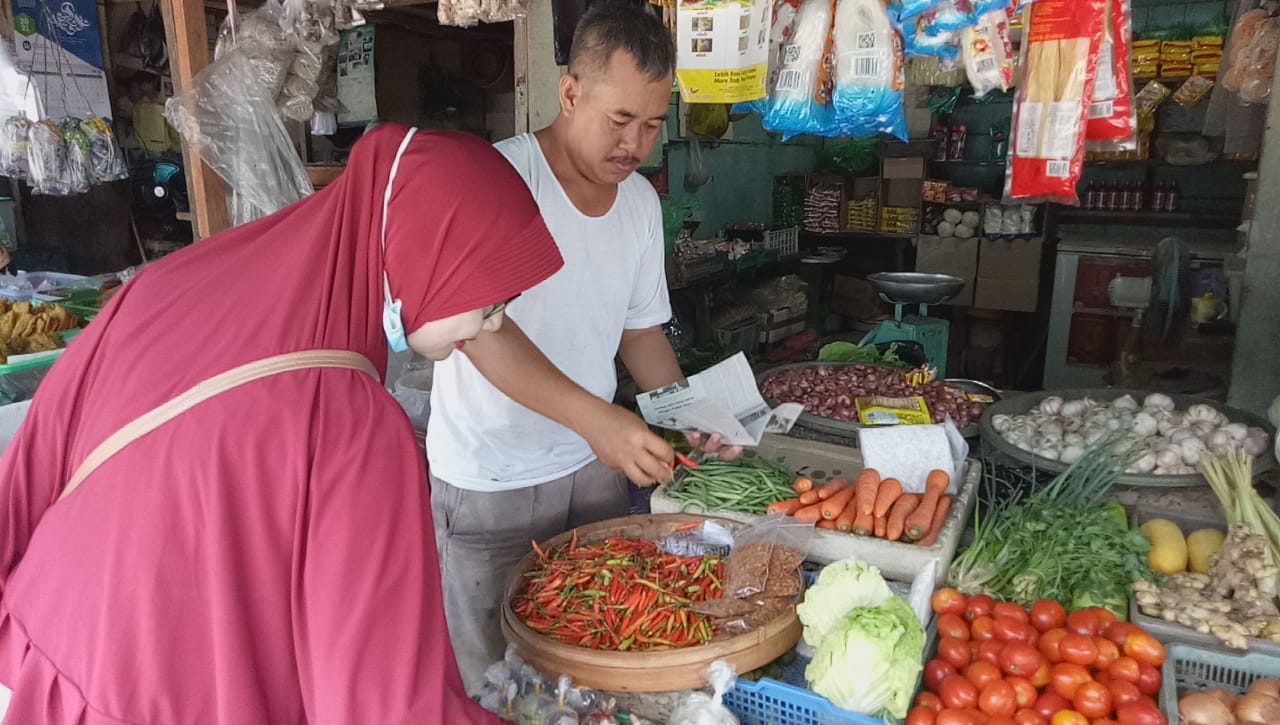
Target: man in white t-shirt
517 451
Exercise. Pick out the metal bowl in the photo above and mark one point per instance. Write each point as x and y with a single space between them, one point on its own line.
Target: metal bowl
916 288
1022 404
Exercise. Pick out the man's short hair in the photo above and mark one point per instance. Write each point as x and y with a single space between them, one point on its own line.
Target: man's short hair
627 25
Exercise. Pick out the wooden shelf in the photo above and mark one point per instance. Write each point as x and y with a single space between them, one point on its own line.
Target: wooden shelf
1067 215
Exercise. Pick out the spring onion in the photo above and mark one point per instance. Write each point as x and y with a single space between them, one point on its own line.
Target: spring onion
1230 474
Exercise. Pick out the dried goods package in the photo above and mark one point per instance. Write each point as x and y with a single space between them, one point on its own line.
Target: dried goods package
869 72
1111 114
1060 59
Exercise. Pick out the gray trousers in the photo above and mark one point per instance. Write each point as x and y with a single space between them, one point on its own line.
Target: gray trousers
483 535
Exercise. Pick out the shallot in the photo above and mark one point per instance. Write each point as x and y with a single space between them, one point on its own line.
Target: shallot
832 392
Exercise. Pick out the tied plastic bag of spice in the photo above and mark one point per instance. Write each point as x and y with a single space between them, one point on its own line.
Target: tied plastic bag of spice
699 708
559 712
78 169
105 157
766 557
15 145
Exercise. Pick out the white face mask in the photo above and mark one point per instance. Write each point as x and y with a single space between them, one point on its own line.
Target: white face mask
392 322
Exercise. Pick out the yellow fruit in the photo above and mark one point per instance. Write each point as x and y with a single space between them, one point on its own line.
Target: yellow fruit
1201 545
1168 548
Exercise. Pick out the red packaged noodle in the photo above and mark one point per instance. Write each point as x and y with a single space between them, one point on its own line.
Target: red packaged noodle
1111 115
1060 59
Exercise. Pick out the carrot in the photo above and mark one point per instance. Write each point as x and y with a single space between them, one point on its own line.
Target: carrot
898 514
834 506
802 484
826 524
890 490
845 520
864 524
881 525
785 507
834 486
939 520
920 519
810 497
867 485
809 514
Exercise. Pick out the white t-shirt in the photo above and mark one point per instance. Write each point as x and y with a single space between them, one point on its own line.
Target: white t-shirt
613 279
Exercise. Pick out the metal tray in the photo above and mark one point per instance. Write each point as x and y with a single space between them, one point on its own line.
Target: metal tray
1021 404
845 429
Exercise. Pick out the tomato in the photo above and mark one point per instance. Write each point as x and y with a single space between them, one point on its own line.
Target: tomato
1102 676
921 716
1092 700
1140 713
1047 614
998 698
1120 631
982 674
1144 648
1009 609
929 700
1051 703
1029 717
981 629
1008 629
949 601
935 672
1020 659
954 716
1124 693
1125 669
1149 680
1043 676
1108 653
1067 678
957 692
1024 692
1084 621
979 606
1001 720
1103 721
979 717
1069 717
952 625
1106 618
1078 650
1050 644
990 650
954 652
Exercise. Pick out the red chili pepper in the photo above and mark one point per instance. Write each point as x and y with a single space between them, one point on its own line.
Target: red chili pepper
685 461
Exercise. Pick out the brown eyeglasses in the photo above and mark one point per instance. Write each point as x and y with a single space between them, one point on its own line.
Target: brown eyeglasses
495 309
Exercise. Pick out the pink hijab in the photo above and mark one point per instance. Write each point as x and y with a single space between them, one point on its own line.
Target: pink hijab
268 556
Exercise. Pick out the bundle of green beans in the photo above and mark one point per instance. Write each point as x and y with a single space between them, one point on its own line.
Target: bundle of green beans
747 485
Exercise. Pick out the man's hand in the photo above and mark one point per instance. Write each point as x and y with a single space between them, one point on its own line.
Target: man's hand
712 444
622 441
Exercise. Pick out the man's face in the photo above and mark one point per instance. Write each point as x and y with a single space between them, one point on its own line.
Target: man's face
615 115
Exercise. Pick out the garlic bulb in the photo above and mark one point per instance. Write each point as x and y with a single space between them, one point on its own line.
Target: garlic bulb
1169 457
1159 401
1237 431
1255 446
1074 408
1125 403
1202 411
1002 423
1145 425
1051 405
1071 453
1192 449
1220 441
1048 453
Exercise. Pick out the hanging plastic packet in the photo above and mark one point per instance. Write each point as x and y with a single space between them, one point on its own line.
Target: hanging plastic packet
781 41
904 10
699 708
1259 65
48 160
107 160
869 72
78 170
982 7
948 16
944 46
1059 61
795 108
1111 115
559 712
532 703
987 50
15 146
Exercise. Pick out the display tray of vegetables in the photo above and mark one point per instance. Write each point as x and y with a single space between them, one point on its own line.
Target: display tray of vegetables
1209 688
830 392
1051 430
1039 664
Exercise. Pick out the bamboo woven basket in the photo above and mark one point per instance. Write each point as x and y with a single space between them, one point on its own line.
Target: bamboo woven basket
665 671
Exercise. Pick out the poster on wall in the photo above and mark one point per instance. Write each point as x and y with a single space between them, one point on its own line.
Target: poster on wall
59 44
356 89
722 50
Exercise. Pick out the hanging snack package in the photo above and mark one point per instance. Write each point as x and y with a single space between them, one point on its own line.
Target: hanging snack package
869 73
1060 56
107 160
1191 93
782 32
15 142
1149 98
1111 115
1246 29
943 46
987 50
982 7
48 160
904 10
948 16
795 108
78 171
1260 63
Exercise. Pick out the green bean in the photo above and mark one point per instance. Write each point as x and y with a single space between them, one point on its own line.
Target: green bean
748 486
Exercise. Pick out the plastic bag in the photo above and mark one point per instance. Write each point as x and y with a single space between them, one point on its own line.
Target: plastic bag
263 43
559 713
765 556
18 387
699 708
15 148
948 16
1246 30
988 54
904 10
48 160
781 30
467 13
933 71
1059 61
230 119
1260 64
869 73
709 538
918 42
106 159
1111 114
78 170
795 108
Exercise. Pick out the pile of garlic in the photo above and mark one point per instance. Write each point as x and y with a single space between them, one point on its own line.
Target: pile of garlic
1171 441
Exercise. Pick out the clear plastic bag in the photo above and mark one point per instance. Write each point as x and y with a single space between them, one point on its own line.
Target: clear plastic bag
795 108
468 13
1260 63
709 538
699 708
78 170
106 159
559 712
869 73
15 147
229 117
18 387
48 160
262 41
765 555
987 50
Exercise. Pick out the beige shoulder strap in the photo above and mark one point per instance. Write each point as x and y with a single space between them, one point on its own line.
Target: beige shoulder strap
209 388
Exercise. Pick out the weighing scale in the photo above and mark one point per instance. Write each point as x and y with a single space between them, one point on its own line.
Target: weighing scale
916 288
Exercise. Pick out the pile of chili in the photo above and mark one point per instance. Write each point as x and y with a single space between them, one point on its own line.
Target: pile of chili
621 594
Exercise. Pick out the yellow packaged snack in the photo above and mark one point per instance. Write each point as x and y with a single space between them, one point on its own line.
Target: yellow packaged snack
879 410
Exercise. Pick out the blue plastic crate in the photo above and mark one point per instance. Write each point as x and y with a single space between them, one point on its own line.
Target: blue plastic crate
769 702
1195 669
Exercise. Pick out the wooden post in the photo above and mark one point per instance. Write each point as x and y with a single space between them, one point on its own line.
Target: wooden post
187 36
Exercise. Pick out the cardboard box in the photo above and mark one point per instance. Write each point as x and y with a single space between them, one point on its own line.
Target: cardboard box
862 204
853 297
950 255
1016 259
902 181
781 322
900 219
1007 294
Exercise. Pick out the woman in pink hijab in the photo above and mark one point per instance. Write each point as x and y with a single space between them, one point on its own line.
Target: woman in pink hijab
264 554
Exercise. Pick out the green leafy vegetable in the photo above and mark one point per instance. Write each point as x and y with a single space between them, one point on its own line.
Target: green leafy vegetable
841 587
849 352
870 662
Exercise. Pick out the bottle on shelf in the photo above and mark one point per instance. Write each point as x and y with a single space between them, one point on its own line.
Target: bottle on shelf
1140 198
1173 200
1159 196
1091 195
1110 196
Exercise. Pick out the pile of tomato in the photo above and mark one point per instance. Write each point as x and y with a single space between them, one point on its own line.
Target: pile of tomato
1000 664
